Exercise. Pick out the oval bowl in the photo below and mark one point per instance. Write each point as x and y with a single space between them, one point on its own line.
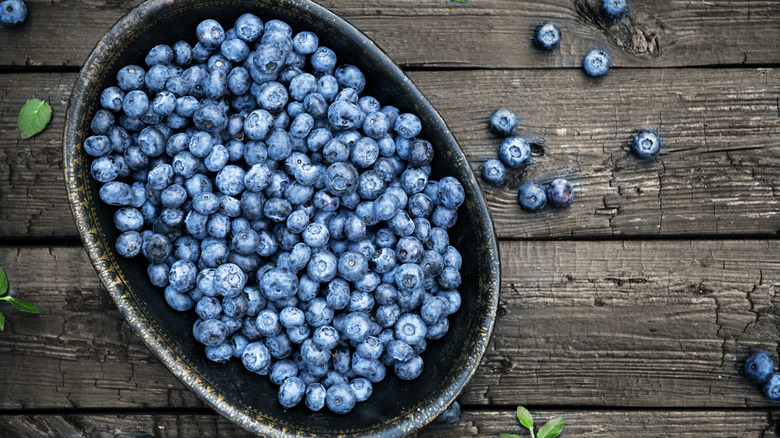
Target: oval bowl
397 407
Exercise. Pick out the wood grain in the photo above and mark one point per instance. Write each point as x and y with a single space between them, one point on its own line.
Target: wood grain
608 324
481 34
716 174
472 423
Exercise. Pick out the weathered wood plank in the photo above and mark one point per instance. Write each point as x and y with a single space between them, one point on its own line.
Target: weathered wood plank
32 183
610 324
443 33
472 423
716 174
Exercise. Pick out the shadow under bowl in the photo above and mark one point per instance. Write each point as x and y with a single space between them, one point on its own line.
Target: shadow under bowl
397 407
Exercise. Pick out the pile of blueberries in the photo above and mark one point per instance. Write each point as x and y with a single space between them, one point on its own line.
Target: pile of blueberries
13 12
295 216
760 369
514 152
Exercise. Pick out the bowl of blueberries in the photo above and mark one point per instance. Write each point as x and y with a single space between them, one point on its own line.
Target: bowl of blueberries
281 216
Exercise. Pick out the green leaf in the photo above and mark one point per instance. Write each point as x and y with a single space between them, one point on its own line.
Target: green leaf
551 429
508 435
33 117
24 306
525 418
3 283
2 322
459 1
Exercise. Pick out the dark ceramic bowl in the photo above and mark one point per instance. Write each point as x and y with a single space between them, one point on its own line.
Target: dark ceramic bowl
397 407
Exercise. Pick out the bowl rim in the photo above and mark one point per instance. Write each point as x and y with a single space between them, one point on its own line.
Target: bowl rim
100 251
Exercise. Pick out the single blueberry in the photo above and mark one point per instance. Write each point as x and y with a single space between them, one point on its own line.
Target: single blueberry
613 9
503 122
532 196
560 193
514 151
548 36
596 62
646 144
759 367
13 12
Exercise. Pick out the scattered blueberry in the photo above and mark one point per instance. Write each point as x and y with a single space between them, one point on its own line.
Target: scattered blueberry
646 144
503 122
759 367
613 9
772 387
532 196
13 12
560 193
548 36
493 171
596 63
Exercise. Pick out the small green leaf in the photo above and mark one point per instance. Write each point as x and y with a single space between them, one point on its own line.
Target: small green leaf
24 306
3 283
2 322
459 1
525 418
551 429
33 117
508 435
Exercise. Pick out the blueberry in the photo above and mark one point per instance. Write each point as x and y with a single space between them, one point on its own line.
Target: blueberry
248 27
376 125
772 387
759 367
613 9
322 266
210 33
209 308
646 144
410 369
532 196
13 12
267 323
450 415
434 310
111 98
451 193
340 398
105 169
364 152
560 193
352 266
503 122
548 36
181 276
116 193
349 76
177 300
210 332
135 103
407 125
229 280
129 244
323 59
318 313
327 87
130 77
596 62
514 151
256 357
343 114
279 283
257 125
362 388
410 328
315 396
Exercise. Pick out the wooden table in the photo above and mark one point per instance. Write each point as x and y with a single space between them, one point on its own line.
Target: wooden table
629 314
